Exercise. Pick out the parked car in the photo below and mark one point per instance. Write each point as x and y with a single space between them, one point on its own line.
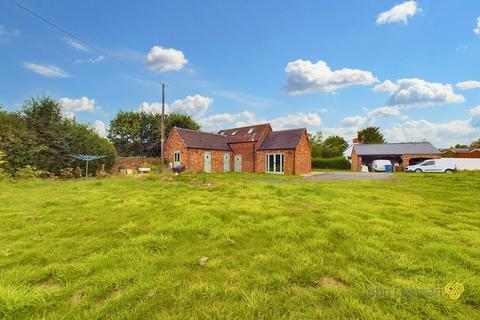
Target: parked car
379 165
434 165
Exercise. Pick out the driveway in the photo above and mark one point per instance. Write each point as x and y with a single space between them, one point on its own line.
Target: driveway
347 176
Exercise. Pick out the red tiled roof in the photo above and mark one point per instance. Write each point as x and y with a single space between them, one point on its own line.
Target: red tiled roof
203 140
285 139
244 134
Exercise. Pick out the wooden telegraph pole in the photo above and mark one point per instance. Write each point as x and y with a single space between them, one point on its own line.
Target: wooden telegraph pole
162 129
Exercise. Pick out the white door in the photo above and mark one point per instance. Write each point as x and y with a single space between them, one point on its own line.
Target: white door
226 162
176 159
238 163
207 161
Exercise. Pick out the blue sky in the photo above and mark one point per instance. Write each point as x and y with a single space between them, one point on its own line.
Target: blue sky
411 67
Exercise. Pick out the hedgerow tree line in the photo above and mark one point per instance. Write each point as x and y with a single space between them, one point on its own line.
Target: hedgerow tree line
39 141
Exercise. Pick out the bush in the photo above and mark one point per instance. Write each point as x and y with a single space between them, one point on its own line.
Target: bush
337 163
29 172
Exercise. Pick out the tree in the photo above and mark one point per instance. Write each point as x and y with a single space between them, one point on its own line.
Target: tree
316 143
17 142
138 133
460 146
475 144
333 146
43 118
40 137
371 135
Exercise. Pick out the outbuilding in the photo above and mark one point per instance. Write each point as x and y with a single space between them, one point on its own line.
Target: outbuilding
404 154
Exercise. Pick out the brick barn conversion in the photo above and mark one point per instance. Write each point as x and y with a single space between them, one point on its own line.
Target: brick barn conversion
247 149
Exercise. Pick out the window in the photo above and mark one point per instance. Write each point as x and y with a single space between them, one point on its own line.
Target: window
428 163
275 163
250 130
176 157
234 132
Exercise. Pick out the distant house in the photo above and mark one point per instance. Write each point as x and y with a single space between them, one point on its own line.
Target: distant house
246 149
461 153
404 154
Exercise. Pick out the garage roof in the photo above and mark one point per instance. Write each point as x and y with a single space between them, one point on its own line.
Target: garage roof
395 149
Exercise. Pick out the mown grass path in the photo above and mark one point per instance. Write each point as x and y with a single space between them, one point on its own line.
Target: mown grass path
230 248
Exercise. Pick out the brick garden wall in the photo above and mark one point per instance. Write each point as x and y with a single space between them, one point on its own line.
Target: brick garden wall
132 162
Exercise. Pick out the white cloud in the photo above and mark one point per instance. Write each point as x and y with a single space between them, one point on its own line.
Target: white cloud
154 107
47 71
385 86
296 120
100 128
165 59
440 134
475 111
399 13
195 105
477 29
467 85
307 77
475 119
6 35
82 104
384 112
417 92
354 122
77 45
227 120
91 60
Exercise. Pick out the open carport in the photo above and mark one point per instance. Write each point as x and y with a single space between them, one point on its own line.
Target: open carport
404 154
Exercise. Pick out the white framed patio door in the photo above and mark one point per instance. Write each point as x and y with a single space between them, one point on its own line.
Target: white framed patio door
275 163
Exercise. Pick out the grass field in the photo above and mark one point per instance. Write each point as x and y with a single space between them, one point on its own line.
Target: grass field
229 247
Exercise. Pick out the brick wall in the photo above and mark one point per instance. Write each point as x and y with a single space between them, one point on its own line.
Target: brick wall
356 161
196 158
247 150
303 156
132 162
172 144
289 164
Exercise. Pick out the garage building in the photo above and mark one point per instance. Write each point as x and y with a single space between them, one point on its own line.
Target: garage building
404 154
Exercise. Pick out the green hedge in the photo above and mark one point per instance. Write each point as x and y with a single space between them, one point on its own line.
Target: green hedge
337 163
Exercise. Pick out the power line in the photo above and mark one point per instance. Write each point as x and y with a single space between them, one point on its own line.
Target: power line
88 44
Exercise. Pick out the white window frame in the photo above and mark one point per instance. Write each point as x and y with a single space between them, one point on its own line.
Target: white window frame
175 153
282 163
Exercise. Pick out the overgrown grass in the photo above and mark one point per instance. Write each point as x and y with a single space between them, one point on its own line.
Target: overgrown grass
230 247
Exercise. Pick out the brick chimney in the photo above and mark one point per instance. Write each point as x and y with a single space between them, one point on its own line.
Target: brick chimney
356 140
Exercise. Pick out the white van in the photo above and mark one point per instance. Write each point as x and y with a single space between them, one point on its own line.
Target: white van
379 165
434 165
